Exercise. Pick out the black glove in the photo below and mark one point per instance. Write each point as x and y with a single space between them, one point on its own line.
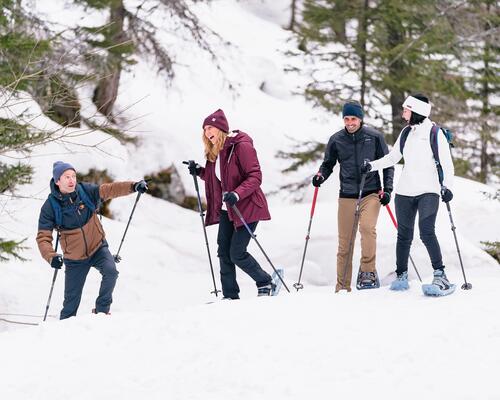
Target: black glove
385 197
317 180
140 186
446 195
56 262
366 167
230 198
194 168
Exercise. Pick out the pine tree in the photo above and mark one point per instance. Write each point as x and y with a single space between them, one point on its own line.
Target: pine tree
20 65
121 44
481 53
378 52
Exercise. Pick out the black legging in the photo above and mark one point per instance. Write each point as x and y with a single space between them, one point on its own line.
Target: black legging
427 205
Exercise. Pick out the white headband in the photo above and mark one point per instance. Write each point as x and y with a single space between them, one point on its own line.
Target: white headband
417 106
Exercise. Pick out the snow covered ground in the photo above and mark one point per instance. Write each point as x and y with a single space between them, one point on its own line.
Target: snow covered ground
163 341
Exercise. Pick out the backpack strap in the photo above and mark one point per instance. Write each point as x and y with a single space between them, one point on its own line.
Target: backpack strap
404 136
56 208
85 197
433 137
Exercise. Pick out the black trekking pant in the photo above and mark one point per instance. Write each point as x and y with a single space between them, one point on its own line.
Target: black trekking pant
427 206
232 251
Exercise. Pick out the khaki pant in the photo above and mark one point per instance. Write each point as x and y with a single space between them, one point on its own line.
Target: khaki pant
369 210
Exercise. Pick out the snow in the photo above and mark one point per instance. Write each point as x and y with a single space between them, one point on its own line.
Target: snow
162 340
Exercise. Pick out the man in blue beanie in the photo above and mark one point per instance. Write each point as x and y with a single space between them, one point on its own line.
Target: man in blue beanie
349 147
71 209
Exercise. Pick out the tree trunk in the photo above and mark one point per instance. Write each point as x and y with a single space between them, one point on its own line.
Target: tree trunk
291 26
362 38
485 109
396 72
107 89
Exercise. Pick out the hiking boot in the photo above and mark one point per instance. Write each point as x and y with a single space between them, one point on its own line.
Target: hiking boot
367 280
94 311
441 280
339 287
266 290
401 282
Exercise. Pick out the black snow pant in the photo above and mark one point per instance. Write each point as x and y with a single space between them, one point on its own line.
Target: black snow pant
427 206
75 275
232 251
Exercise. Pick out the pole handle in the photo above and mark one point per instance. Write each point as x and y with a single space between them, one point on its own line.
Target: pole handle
315 196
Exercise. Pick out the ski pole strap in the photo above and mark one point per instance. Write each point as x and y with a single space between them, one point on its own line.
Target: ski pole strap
314 201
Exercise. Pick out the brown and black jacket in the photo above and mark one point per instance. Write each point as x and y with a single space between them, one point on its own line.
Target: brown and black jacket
81 232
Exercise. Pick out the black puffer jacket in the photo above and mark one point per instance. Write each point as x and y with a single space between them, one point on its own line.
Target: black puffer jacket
350 149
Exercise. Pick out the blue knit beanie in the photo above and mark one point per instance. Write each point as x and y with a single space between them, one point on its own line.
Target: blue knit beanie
352 109
58 169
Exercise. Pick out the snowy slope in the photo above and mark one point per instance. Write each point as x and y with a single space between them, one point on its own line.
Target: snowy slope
162 341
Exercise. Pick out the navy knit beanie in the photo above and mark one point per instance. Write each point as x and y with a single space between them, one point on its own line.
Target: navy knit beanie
58 169
352 109
217 119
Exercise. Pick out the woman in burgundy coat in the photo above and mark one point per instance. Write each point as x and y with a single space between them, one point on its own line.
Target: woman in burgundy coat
232 177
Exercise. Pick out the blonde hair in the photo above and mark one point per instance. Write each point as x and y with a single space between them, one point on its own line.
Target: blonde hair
212 150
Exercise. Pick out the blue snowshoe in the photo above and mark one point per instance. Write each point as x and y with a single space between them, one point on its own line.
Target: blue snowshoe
277 281
273 288
401 282
440 285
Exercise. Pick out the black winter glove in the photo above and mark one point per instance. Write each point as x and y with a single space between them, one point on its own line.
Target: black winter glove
194 168
385 197
317 180
56 262
446 195
366 167
140 186
230 198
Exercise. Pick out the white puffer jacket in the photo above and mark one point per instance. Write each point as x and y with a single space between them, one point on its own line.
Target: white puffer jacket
419 174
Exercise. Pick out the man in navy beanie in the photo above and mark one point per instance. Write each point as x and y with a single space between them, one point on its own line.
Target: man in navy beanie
71 209
350 147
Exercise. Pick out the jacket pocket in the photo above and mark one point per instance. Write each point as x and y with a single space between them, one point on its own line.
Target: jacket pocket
257 199
70 241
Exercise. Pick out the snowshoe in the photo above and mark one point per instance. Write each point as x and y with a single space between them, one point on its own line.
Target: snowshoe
400 283
367 280
440 285
277 281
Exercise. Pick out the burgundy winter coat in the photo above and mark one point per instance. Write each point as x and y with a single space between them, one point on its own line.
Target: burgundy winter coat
240 173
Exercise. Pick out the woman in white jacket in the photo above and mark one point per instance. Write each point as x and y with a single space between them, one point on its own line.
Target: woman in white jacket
418 190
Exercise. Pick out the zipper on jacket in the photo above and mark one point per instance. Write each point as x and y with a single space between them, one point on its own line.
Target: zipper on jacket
79 214
356 165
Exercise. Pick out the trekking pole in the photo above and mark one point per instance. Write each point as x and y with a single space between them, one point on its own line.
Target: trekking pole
202 214
258 244
396 226
117 257
354 228
299 285
53 282
466 285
